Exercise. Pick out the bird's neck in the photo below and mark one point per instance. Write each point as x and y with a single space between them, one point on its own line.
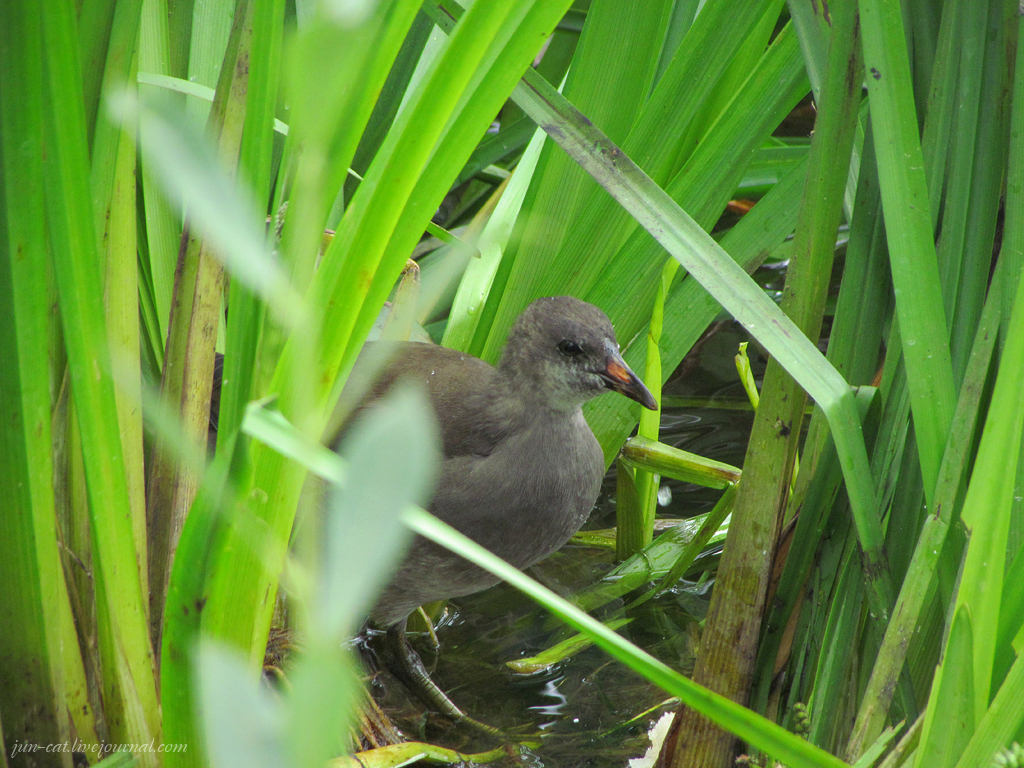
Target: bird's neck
527 392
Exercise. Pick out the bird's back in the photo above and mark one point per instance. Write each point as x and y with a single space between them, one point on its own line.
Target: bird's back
459 387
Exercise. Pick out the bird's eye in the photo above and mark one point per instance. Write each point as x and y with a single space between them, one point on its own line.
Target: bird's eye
569 348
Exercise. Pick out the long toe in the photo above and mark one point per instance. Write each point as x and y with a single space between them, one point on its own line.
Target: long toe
405 664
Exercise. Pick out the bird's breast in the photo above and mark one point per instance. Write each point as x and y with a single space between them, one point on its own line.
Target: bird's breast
529 496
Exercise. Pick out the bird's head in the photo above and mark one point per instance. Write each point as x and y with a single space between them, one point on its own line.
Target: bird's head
566 349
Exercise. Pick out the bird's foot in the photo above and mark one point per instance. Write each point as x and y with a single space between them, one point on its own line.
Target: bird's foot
407 666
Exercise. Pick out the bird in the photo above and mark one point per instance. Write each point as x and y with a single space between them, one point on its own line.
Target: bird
521 468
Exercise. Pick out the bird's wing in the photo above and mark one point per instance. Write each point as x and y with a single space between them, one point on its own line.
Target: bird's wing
461 391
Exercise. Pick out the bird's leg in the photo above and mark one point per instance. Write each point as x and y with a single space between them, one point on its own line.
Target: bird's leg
407 666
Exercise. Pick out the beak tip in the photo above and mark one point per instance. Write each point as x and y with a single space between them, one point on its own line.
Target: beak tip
642 395
621 379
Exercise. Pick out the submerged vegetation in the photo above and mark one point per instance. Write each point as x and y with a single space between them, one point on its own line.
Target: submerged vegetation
251 177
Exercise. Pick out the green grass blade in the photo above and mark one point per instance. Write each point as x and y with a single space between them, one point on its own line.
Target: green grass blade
923 328
650 421
949 720
118 71
210 28
465 315
630 531
163 220
94 28
1013 234
1001 723
255 155
387 104
200 541
32 686
814 30
129 685
114 200
980 198
832 672
643 453
864 302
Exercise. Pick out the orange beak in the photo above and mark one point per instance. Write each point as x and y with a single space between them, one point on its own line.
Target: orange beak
618 377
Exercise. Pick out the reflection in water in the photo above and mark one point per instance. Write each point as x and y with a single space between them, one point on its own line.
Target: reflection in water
550 690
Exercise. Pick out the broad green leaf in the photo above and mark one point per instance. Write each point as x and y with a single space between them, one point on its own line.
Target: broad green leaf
242 718
363 531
